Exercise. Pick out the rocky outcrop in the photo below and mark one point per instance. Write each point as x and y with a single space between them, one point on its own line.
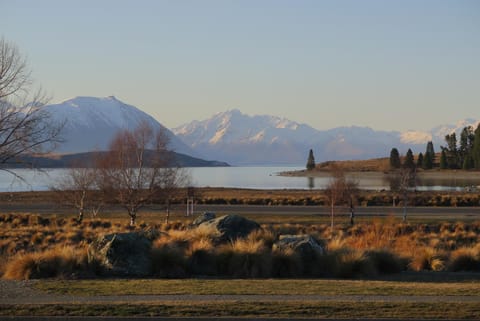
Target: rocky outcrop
228 228
303 245
123 254
206 216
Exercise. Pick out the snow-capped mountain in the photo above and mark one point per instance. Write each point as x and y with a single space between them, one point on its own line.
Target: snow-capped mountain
238 138
242 139
91 123
437 134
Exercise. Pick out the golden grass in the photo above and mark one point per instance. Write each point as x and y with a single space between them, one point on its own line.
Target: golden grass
30 245
60 261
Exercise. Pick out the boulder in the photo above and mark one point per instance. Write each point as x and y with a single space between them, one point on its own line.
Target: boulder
123 254
304 245
206 216
228 228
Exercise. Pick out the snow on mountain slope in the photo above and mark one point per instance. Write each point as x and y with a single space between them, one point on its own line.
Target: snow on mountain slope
439 132
234 127
415 137
91 123
242 139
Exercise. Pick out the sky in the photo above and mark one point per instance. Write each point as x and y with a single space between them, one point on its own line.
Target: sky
389 65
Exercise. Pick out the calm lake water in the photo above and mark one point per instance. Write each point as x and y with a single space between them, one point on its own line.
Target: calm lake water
241 177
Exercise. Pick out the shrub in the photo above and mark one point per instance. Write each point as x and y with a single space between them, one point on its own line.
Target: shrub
286 264
350 263
385 262
64 262
465 259
169 261
246 258
427 259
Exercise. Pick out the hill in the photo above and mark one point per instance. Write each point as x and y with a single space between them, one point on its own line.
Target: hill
92 122
86 160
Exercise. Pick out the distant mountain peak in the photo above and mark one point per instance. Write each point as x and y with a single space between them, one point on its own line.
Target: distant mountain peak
91 123
264 139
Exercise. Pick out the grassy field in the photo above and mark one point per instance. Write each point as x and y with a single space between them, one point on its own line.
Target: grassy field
333 310
466 285
377 256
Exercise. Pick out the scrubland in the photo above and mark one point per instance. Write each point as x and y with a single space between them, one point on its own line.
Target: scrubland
36 246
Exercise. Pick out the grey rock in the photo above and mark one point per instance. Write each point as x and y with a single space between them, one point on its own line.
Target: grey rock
304 245
123 254
206 216
229 227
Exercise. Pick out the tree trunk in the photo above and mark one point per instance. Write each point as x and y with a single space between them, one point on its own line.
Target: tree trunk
352 213
80 215
82 206
133 217
168 212
332 206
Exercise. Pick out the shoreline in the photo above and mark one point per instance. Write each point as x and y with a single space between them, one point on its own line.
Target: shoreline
435 174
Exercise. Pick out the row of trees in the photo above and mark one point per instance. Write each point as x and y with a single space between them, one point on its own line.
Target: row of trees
134 172
425 161
463 154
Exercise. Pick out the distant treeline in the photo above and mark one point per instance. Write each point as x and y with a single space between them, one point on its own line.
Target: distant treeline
457 154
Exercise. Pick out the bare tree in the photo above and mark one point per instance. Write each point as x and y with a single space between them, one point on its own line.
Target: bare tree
340 190
78 188
25 126
136 170
402 181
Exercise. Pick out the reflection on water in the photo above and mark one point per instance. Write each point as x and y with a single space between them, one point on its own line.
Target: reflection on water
248 177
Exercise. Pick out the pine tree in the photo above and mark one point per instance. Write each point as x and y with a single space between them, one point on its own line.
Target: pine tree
420 160
476 148
409 160
451 151
443 159
310 161
429 159
466 145
468 162
394 158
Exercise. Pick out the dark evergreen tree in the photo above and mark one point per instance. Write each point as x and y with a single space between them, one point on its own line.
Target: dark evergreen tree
409 161
466 145
420 161
476 148
310 161
443 159
451 151
429 159
468 162
394 158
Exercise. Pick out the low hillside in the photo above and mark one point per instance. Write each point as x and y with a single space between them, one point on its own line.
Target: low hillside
369 165
87 159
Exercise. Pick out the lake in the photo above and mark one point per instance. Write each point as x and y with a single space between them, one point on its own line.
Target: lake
239 177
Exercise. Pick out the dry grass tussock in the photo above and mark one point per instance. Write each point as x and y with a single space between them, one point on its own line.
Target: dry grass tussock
55 262
32 246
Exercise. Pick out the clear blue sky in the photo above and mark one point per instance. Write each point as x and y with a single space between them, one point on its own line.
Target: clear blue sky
394 65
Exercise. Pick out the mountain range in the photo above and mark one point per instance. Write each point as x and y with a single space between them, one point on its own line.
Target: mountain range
236 138
241 139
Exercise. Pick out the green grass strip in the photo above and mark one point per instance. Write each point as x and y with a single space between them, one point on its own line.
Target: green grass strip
260 287
258 309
